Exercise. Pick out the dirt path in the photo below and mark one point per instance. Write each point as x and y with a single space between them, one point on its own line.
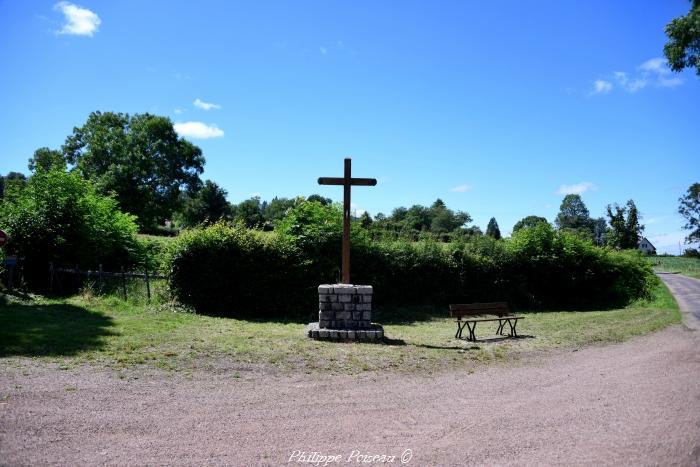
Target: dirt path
687 293
628 404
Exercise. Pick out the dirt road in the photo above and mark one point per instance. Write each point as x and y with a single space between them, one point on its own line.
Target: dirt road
628 404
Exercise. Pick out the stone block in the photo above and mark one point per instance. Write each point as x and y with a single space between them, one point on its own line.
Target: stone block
366 298
349 307
351 334
367 315
345 298
333 334
325 289
325 306
324 323
327 298
364 289
343 315
337 307
365 307
343 334
323 333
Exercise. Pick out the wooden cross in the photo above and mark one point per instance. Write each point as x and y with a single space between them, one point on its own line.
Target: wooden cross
347 181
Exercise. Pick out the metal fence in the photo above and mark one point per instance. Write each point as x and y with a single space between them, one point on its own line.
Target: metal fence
123 283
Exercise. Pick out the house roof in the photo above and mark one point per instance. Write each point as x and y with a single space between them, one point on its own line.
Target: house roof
644 239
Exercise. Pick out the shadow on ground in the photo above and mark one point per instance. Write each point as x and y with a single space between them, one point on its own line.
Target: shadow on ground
32 330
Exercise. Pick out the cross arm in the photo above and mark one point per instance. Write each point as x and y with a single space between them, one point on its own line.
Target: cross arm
341 181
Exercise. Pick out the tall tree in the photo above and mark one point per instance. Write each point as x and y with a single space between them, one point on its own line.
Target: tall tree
320 199
683 47
600 231
250 212
45 159
690 209
276 209
208 204
573 215
625 229
140 158
12 182
492 229
528 222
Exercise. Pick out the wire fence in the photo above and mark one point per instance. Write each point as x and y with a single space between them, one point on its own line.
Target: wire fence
130 285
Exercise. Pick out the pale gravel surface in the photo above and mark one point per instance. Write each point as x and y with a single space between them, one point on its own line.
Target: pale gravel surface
635 403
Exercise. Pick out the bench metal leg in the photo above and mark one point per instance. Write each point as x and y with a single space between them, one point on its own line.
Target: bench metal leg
460 328
472 328
501 323
513 324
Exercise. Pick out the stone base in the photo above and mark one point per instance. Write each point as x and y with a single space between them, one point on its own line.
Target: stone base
374 333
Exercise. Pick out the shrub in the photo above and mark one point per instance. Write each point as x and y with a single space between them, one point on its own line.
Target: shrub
60 217
234 271
231 270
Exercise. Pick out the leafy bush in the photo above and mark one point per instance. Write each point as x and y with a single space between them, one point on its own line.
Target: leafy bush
235 271
60 217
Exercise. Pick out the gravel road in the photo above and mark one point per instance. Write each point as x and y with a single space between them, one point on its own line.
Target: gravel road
635 403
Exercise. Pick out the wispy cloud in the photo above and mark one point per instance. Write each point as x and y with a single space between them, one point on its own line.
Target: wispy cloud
199 103
323 50
600 86
79 21
461 188
576 188
178 111
198 130
654 72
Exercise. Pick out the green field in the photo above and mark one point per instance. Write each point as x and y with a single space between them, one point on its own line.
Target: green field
686 266
112 333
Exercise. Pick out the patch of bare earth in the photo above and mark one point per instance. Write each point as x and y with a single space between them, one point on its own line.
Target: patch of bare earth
635 403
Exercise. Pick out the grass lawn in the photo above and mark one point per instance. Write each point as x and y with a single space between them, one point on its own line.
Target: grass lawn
686 266
110 332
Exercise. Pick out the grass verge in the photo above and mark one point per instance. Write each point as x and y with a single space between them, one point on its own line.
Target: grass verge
687 266
117 334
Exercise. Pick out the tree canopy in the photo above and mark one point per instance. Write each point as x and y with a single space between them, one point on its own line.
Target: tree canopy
208 204
625 230
574 216
140 158
492 229
528 222
690 209
683 47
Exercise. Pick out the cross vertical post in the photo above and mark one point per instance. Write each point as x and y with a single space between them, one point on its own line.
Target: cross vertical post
346 220
347 181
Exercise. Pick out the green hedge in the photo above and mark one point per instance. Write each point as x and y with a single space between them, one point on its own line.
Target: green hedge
233 271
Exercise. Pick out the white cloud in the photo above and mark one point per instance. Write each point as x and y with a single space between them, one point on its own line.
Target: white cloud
205 105
576 188
653 72
198 130
79 21
178 111
461 188
600 86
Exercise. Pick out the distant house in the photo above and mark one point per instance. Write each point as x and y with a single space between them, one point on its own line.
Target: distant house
646 247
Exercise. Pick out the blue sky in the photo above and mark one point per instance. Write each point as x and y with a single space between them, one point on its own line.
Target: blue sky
498 108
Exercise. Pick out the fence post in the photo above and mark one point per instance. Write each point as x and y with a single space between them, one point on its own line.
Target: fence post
101 286
124 283
148 283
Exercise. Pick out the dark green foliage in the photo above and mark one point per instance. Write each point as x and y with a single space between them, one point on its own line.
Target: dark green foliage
249 212
529 221
492 229
238 272
208 204
690 209
11 184
140 158
574 217
46 159
60 217
683 47
234 271
436 222
625 230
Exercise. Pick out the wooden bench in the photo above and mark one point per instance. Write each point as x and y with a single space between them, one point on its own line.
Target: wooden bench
499 309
